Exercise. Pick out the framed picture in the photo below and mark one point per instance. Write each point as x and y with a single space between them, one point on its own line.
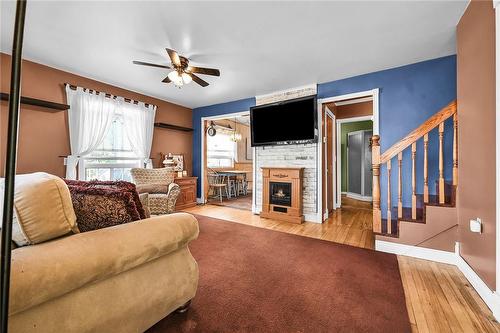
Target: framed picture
173 161
178 160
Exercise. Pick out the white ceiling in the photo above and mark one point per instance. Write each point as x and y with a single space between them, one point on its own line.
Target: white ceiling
260 47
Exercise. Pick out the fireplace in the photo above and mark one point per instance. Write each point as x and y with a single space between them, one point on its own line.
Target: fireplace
282 194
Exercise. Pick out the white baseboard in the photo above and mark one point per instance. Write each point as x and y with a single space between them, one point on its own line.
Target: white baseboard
358 196
492 299
416 252
314 217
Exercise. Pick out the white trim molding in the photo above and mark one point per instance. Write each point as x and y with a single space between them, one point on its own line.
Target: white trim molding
492 299
358 196
416 252
496 5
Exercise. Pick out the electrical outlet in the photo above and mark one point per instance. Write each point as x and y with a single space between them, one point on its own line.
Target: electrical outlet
476 225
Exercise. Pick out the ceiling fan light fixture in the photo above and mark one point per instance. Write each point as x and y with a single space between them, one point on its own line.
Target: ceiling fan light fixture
186 78
175 78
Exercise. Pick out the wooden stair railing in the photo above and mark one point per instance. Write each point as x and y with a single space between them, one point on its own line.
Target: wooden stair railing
437 120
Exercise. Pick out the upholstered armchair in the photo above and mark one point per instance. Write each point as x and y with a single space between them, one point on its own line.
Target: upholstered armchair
160 186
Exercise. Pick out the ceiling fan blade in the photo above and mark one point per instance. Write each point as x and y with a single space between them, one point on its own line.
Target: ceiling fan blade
198 80
149 64
202 70
174 57
166 80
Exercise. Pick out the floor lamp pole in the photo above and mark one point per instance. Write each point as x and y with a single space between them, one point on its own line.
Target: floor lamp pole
10 162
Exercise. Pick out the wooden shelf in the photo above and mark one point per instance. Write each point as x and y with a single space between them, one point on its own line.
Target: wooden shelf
173 127
54 107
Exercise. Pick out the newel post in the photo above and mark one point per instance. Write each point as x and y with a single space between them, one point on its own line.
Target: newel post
377 214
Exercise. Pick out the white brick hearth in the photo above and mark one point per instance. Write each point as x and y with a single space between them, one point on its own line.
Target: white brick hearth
303 155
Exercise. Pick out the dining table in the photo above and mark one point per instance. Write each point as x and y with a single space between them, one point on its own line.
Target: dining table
234 173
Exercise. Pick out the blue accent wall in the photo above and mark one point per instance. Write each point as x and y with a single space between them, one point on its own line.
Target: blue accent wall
408 96
210 111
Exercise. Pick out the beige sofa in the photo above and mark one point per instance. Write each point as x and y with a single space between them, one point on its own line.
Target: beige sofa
118 279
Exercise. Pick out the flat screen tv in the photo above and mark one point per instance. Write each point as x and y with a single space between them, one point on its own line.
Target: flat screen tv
289 122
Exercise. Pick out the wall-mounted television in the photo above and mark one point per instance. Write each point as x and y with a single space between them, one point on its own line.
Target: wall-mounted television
288 122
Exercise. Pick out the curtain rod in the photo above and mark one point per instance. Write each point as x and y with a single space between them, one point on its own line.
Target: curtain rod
128 100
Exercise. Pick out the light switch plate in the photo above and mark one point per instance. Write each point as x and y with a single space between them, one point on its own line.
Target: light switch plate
476 225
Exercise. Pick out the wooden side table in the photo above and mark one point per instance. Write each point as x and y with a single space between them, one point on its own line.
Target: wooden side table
187 198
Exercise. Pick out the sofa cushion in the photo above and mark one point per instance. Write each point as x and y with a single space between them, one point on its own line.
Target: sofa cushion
42 209
116 185
45 271
101 207
153 188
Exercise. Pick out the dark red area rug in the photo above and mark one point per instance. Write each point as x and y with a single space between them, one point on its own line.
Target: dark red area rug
258 280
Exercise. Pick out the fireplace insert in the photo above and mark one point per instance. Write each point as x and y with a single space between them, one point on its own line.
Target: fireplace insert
280 194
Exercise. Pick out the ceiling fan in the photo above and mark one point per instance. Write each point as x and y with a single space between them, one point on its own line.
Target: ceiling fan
181 72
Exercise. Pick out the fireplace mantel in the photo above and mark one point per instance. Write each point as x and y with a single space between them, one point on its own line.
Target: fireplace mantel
286 203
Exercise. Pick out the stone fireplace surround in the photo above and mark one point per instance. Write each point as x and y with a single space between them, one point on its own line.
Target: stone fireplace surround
293 155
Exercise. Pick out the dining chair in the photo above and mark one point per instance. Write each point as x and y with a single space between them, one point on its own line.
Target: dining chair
242 185
216 183
233 186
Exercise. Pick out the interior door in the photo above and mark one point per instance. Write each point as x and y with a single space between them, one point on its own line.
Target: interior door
354 162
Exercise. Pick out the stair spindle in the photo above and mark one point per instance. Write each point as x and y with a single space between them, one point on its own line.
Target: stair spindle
377 213
389 215
426 176
413 182
441 174
455 150
400 185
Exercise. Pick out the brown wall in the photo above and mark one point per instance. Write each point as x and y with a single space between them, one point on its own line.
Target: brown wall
44 136
476 136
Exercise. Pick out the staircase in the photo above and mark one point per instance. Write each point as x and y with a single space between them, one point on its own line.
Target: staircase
410 224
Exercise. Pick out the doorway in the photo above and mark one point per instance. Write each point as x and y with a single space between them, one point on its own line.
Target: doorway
362 106
227 163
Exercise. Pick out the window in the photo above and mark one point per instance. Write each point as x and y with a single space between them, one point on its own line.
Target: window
113 159
220 150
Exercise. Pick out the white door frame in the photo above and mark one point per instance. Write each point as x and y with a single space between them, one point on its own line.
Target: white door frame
339 151
330 114
202 166
374 93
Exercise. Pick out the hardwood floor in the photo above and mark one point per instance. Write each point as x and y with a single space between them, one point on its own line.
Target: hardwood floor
240 202
438 297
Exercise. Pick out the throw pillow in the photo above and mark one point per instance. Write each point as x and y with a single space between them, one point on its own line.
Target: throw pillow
116 185
98 208
42 209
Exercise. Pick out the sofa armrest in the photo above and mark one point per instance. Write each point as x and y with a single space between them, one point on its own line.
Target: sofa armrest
44 271
174 190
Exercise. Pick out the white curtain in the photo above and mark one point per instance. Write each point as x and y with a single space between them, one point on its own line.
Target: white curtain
89 117
138 121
